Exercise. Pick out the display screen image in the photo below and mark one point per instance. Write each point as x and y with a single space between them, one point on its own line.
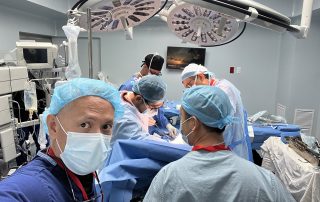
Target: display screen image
32 55
180 57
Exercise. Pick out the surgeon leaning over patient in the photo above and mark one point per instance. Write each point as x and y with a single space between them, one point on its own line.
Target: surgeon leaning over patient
211 172
152 65
79 123
235 136
139 105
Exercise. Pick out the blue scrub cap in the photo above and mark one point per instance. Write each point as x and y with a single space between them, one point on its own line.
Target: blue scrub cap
209 104
80 87
193 70
150 87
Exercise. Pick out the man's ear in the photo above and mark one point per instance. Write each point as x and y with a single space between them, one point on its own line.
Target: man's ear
201 77
52 126
196 123
138 98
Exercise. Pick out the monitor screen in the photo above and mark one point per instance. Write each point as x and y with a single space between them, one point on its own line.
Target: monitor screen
180 57
32 55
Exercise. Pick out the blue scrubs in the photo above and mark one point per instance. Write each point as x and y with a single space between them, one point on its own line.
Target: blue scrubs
40 180
161 120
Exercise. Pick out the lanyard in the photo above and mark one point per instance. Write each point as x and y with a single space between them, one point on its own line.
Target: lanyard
215 148
212 82
73 177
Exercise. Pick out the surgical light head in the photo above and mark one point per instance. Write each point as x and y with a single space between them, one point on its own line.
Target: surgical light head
118 14
81 87
151 87
201 26
209 104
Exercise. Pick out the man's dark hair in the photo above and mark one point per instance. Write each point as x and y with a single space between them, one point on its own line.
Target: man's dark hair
154 61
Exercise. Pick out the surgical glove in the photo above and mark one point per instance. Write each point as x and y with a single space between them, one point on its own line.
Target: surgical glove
172 130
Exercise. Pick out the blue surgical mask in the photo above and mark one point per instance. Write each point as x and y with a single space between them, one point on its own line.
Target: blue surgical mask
185 137
84 153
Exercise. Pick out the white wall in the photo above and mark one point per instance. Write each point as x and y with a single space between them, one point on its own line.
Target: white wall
256 51
57 5
298 84
13 21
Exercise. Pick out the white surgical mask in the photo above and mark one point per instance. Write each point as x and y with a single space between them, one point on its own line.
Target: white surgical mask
149 112
185 137
84 153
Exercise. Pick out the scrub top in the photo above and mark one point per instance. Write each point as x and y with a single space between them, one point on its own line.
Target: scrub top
215 176
40 180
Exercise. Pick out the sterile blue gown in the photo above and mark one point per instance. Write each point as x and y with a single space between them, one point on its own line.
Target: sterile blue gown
235 135
161 120
215 176
38 181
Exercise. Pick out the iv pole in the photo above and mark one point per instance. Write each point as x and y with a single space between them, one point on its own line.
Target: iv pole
89 43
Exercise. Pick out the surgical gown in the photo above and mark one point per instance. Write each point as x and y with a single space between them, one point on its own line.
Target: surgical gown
132 125
235 136
40 180
215 176
161 120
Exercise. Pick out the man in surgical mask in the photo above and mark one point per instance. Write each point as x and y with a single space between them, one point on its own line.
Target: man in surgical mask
152 65
235 136
140 104
79 123
211 172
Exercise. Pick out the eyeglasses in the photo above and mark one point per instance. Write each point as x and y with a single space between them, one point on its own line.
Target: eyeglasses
188 85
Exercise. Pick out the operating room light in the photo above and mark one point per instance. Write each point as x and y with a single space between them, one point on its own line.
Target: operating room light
201 26
116 15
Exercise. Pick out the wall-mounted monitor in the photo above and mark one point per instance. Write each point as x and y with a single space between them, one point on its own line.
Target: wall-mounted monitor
180 57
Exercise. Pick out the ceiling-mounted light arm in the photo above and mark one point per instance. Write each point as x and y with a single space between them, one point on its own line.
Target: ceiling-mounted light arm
164 13
254 15
127 30
241 9
305 20
78 4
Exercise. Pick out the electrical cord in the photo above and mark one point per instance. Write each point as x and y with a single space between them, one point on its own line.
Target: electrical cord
22 134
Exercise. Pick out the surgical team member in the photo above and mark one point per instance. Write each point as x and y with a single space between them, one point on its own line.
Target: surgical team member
139 105
211 172
152 65
79 123
235 136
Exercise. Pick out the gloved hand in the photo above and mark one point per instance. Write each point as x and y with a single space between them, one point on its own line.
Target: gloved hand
172 130
151 122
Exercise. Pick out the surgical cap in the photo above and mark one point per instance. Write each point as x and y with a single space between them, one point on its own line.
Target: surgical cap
80 87
154 61
151 87
192 70
209 104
